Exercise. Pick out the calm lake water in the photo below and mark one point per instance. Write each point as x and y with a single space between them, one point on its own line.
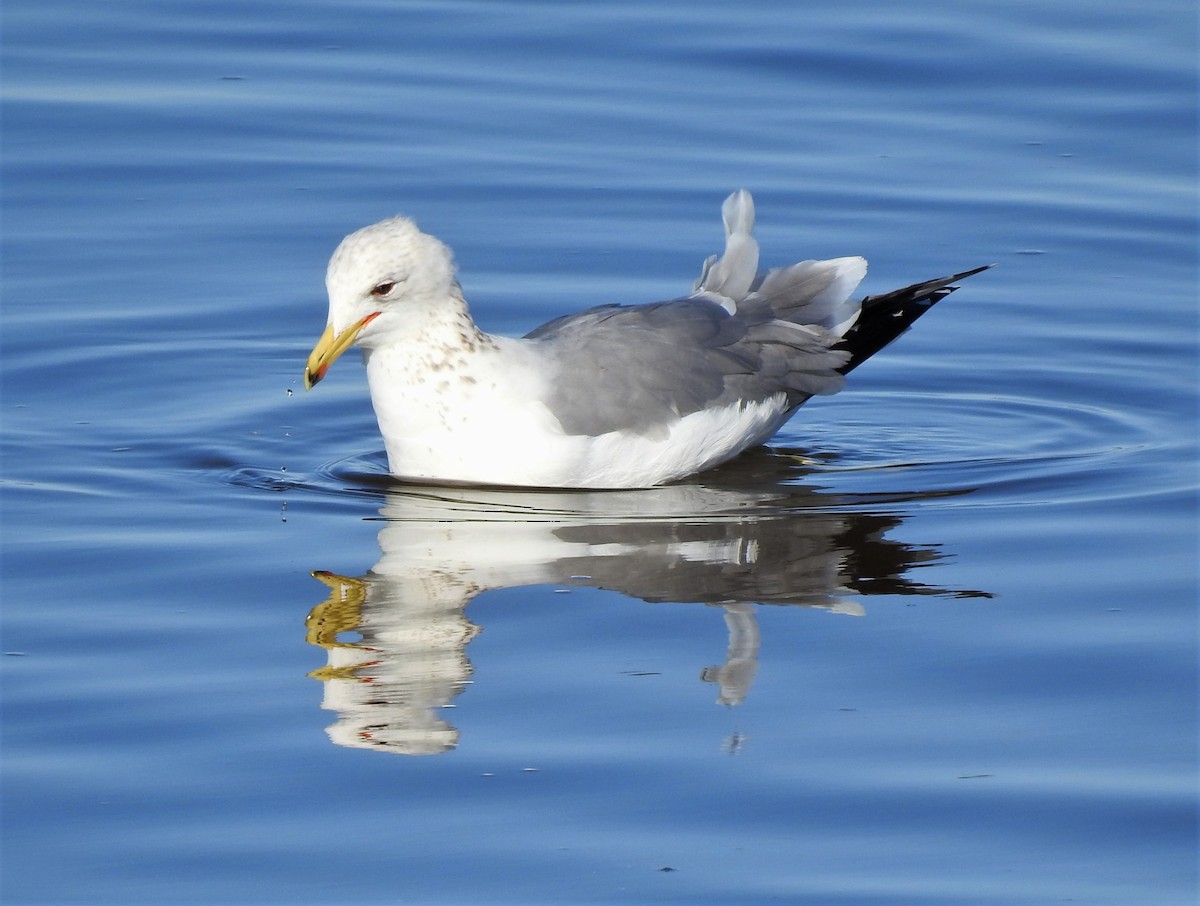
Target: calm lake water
938 645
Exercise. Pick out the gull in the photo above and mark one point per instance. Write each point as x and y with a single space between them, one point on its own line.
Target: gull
617 396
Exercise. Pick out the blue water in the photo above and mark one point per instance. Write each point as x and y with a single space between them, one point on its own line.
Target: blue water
938 645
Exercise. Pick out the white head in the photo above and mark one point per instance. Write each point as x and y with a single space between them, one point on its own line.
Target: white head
379 279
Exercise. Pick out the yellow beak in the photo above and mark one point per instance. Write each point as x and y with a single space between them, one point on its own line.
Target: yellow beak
329 347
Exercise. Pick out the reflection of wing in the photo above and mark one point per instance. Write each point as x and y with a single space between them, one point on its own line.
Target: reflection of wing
795 559
440 547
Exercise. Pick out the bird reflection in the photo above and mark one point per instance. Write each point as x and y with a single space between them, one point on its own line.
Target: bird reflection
738 539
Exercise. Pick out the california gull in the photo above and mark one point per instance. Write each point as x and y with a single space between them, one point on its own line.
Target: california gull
618 396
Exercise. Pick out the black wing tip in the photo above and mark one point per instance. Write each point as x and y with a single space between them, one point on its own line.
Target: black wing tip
886 316
930 287
972 272
946 285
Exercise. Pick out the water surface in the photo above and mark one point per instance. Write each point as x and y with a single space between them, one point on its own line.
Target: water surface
938 645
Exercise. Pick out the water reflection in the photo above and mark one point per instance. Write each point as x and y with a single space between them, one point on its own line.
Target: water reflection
396 637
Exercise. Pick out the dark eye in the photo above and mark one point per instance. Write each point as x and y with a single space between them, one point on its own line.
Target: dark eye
383 289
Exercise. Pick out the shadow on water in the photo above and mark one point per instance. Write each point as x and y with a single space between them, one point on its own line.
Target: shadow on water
757 532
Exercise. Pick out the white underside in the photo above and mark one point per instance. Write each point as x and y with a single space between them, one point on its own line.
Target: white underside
483 423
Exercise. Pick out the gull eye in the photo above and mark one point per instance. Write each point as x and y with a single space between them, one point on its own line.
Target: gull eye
382 289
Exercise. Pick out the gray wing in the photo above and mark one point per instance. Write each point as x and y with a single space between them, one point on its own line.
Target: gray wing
742 336
641 368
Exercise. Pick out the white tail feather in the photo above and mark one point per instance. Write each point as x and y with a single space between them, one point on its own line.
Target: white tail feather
733 273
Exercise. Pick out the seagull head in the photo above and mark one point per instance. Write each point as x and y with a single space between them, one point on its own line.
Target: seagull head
379 277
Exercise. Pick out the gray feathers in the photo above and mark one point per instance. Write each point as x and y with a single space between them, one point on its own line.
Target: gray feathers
640 368
742 337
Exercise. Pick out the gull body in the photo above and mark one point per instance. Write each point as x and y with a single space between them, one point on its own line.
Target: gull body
612 397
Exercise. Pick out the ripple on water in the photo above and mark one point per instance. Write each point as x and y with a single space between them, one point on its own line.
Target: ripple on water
940 448
1000 449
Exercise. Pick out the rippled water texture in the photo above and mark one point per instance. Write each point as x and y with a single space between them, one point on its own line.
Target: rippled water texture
936 645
